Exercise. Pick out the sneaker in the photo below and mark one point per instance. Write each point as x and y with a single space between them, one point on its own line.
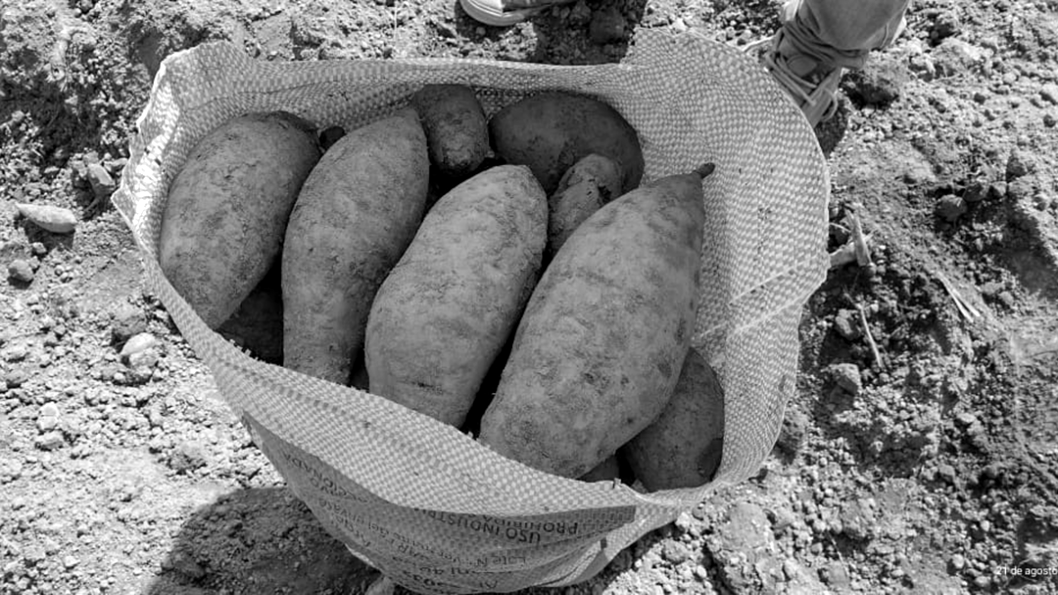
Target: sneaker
496 13
815 92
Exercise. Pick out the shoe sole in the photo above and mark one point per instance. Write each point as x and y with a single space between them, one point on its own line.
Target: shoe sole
490 12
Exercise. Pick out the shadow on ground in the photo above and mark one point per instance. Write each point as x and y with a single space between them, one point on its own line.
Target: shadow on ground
256 542
262 541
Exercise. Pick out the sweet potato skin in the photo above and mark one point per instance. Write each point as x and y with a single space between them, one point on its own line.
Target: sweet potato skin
591 183
683 447
603 337
551 131
444 313
223 223
456 129
356 214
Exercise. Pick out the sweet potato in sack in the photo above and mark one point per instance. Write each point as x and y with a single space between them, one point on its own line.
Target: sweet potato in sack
443 314
223 224
584 188
356 214
683 447
551 131
457 132
604 335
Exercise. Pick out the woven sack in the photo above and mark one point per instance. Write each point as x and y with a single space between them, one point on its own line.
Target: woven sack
431 508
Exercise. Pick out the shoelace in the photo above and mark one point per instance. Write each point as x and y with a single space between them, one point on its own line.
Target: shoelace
808 92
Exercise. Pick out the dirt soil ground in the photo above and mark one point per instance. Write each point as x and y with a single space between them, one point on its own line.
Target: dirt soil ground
919 455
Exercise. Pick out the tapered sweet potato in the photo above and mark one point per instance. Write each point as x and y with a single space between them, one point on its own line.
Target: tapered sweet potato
603 337
356 214
551 131
683 447
223 223
584 188
443 314
456 129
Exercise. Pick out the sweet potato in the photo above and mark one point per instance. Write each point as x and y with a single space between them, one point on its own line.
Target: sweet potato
443 314
584 188
551 131
223 223
456 129
603 337
356 214
683 447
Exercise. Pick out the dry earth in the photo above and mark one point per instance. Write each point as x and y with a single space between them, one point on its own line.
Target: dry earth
931 469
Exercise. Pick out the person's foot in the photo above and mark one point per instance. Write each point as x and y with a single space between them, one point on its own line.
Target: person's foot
812 86
503 13
491 12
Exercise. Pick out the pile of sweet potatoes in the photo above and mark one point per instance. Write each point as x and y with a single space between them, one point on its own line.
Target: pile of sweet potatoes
510 276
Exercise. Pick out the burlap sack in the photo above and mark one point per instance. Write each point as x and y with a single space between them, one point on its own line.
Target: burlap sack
432 509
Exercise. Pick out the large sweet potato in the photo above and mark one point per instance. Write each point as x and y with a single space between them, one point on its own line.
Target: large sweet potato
443 314
355 216
551 131
603 337
683 447
223 223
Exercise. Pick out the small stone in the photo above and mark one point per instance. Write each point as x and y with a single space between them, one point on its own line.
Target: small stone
675 552
187 456
975 192
14 352
950 207
50 440
782 518
20 271
879 83
1042 201
48 217
846 322
99 178
70 562
946 25
684 522
847 377
1049 92
127 320
138 343
1016 166
958 562
793 432
15 378
1007 299
836 576
48 418
946 473
34 555
38 248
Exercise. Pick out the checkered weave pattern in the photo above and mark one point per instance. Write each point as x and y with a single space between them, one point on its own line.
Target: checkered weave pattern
434 510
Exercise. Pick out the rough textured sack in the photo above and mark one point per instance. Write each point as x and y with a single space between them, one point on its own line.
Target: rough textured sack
431 508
